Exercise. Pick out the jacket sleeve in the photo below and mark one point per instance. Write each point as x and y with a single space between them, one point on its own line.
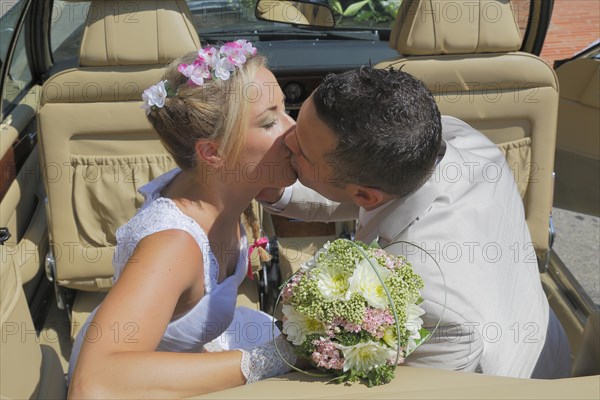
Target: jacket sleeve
307 205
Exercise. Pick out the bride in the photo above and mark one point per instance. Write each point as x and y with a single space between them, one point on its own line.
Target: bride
179 261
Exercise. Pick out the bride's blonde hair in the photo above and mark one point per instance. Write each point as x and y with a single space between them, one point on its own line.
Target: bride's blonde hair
215 110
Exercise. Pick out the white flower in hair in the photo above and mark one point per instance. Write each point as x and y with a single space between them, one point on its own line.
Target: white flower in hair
154 96
196 72
238 51
224 68
209 55
246 46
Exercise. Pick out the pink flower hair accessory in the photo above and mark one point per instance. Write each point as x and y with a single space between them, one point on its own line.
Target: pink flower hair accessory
217 62
211 63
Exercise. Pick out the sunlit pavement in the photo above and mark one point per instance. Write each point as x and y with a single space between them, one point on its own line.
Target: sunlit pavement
577 243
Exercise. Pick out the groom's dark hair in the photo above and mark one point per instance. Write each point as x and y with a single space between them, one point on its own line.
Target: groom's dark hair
388 128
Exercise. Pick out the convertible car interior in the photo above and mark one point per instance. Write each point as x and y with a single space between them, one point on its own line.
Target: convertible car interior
95 148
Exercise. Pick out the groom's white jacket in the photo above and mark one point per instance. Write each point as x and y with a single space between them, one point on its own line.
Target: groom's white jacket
469 216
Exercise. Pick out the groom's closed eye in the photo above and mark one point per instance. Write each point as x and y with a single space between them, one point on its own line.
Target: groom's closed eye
299 147
291 141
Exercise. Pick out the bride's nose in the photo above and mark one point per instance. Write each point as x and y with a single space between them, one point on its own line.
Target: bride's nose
289 121
288 125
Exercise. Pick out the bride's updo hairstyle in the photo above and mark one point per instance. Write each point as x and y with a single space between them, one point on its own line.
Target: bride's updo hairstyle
200 104
202 96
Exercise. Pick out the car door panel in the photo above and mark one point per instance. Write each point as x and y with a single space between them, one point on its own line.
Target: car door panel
578 137
22 207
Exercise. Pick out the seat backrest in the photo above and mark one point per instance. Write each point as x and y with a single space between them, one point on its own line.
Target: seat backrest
467 54
96 145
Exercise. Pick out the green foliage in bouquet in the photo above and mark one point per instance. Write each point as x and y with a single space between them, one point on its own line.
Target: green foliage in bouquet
352 311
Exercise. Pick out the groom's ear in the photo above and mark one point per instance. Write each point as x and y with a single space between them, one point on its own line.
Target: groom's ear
207 151
366 197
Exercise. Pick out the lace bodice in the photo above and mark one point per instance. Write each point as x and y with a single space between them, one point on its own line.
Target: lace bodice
211 316
214 312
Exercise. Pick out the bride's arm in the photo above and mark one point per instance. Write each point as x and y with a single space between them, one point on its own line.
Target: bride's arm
119 359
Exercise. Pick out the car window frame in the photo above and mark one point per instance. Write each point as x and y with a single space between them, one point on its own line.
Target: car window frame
35 21
538 23
21 22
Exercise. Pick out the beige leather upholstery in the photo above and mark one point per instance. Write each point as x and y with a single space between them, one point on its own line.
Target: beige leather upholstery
578 137
432 27
22 207
579 107
465 52
97 147
415 383
137 33
27 370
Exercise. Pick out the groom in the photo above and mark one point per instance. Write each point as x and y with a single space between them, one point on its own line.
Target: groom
372 143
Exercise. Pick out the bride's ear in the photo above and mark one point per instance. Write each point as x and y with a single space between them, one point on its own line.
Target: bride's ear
207 152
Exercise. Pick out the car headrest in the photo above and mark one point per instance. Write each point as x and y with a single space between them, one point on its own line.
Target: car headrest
136 32
431 27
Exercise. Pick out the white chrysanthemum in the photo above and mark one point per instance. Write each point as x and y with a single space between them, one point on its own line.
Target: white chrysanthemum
332 284
296 326
413 324
363 357
364 280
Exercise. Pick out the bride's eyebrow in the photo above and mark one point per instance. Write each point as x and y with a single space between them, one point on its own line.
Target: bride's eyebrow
272 108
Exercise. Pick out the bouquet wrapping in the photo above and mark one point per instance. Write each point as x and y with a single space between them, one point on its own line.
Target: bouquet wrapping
352 311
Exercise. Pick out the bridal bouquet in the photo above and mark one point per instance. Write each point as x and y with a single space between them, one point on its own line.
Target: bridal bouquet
353 311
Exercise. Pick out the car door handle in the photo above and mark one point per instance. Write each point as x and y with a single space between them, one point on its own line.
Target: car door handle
4 235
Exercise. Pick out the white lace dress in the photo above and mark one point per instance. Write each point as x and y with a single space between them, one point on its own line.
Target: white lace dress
209 319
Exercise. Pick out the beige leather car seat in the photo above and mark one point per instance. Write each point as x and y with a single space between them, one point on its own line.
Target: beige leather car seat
467 54
28 370
96 145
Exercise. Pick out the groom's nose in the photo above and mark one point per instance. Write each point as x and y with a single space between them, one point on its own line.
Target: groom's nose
291 142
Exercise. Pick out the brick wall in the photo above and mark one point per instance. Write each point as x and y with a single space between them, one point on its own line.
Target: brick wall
575 24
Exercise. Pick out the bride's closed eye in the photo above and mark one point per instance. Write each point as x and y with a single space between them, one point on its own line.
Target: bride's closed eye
270 124
274 120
